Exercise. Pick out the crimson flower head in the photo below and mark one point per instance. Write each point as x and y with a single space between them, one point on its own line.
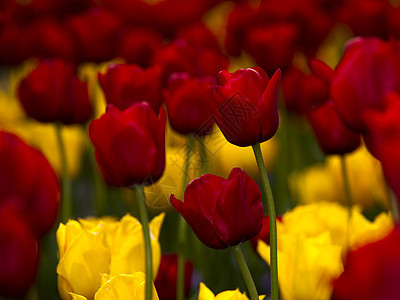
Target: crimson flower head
53 93
333 136
187 104
28 183
372 271
167 274
222 212
130 144
19 254
367 72
125 84
244 105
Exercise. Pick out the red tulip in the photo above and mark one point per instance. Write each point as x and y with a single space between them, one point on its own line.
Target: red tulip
333 136
165 282
95 32
130 145
28 183
383 138
244 105
186 100
53 93
367 72
18 254
371 272
139 45
125 84
222 212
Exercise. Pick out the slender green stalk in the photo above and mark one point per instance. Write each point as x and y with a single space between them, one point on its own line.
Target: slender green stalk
394 207
66 201
100 191
251 287
269 202
144 219
346 184
180 283
204 155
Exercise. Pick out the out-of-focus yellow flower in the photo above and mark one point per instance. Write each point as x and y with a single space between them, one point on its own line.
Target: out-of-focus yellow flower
312 239
121 287
306 265
90 248
225 156
324 182
206 294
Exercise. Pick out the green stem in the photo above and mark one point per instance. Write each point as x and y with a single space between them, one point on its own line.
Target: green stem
251 287
346 184
269 202
100 191
66 201
394 208
180 283
204 155
144 219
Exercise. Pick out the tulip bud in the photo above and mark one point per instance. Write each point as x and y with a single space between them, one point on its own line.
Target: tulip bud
244 105
53 93
130 145
222 212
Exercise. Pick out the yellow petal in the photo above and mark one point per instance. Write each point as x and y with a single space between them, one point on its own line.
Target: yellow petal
205 293
77 297
124 287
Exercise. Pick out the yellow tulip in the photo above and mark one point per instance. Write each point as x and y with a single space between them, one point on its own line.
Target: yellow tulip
312 240
206 294
120 287
90 248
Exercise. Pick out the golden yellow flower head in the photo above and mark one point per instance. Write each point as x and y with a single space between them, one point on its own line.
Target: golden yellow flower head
90 248
206 294
120 287
312 240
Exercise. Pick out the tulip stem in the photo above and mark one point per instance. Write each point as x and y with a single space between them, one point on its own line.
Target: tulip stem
66 202
144 219
180 282
100 192
251 287
269 202
346 184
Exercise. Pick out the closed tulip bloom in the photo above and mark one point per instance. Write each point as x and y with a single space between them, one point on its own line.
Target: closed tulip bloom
165 282
28 183
53 93
222 212
130 145
18 254
125 84
244 105
372 271
368 71
333 136
187 100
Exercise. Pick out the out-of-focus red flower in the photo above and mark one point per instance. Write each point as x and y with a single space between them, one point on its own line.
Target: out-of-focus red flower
130 145
333 136
366 17
383 138
244 105
138 45
13 48
53 93
222 212
272 46
95 32
367 72
303 92
199 36
264 234
165 281
187 104
28 184
18 254
51 39
371 272
125 84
